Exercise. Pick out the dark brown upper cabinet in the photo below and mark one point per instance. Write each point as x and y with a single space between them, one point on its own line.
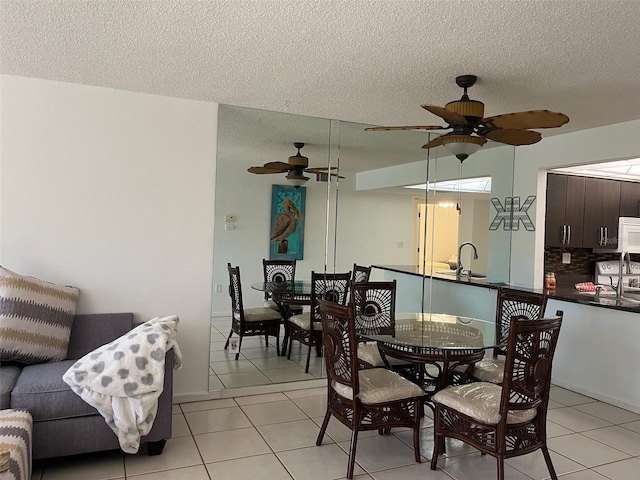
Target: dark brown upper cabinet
565 206
601 212
630 199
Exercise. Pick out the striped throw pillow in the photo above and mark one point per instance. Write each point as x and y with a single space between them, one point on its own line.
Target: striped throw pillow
15 444
35 318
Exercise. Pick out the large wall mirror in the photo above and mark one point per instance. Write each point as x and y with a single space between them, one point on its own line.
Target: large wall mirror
364 216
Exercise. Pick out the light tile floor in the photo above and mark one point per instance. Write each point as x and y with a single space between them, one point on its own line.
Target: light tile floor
272 437
258 364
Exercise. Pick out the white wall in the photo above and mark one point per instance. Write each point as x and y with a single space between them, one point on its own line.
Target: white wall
113 192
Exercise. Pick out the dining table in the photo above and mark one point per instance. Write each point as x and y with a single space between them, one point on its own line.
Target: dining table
440 349
285 295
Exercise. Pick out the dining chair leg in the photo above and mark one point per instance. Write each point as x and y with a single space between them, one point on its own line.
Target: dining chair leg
290 347
323 428
419 413
226 345
306 369
500 468
352 452
239 347
547 459
278 344
437 441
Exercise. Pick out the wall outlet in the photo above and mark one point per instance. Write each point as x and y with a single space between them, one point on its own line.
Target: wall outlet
218 288
228 226
229 218
566 258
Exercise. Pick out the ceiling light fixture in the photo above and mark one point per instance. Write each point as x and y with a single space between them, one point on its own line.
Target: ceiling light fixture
462 145
296 179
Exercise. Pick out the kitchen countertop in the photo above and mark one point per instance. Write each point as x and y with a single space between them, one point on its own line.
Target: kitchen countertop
563 293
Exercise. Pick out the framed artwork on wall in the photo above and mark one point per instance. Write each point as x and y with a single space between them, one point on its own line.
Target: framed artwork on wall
287 222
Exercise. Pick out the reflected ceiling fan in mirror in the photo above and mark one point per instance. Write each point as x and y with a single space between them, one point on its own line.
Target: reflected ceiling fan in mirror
470 129
296 167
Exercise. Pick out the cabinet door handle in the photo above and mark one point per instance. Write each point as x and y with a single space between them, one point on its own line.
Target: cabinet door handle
564 234
601 236
568 234
606 236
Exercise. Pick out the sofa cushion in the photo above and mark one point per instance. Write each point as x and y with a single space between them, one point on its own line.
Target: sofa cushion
35 318
40 390
8 377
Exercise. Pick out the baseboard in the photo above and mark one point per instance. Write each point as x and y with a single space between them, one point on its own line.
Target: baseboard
616 402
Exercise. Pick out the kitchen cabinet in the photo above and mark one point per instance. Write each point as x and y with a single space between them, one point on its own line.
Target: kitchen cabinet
601 212
565 210
629 199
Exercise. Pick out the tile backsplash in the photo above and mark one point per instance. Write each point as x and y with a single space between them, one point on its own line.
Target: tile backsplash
582 262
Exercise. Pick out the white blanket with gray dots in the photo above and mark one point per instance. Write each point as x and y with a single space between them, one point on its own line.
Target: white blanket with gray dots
123 379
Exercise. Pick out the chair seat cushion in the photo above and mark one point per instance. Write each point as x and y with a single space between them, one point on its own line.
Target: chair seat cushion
481 401
369 353
260 314
303 321
379 385
489 370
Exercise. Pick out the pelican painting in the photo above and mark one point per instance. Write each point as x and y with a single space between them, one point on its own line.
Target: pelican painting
287 225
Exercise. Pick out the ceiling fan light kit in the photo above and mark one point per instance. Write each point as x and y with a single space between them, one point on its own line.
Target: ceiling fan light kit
470 129
462 145
295 168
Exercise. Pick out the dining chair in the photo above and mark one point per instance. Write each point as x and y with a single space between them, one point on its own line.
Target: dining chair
375 313
277 271
510 303
371 399
306 327
247 322
505 420
360 273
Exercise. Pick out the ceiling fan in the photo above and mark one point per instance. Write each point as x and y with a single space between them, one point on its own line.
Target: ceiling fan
296 167
470 129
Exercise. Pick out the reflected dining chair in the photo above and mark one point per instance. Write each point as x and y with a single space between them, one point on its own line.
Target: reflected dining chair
306 327
509 420
360 273
371 399
375 313
278 271
247 322
510 303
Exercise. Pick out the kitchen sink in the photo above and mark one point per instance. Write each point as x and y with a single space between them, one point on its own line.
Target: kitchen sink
464 275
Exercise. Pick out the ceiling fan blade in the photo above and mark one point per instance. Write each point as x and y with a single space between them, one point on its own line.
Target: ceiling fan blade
512 136
528 119
447 115
263 170
281 166
406 127
319 169
322 176
436 142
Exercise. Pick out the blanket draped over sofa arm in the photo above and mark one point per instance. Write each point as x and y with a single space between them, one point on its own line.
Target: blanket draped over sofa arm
123 379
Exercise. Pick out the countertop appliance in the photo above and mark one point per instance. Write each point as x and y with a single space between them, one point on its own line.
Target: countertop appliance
628 235
607 274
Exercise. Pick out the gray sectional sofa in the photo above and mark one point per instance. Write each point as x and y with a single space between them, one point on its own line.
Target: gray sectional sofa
63 423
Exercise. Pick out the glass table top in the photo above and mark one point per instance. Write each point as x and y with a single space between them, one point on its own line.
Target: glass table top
297 287
437 330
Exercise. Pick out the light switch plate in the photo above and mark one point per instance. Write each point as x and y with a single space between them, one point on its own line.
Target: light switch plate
566 258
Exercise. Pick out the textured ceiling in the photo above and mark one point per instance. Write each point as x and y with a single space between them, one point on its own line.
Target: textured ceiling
365 61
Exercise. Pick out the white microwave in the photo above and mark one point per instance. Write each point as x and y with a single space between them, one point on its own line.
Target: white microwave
628 235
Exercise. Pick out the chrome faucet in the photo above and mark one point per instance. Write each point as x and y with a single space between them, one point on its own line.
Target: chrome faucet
475 257
624 256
